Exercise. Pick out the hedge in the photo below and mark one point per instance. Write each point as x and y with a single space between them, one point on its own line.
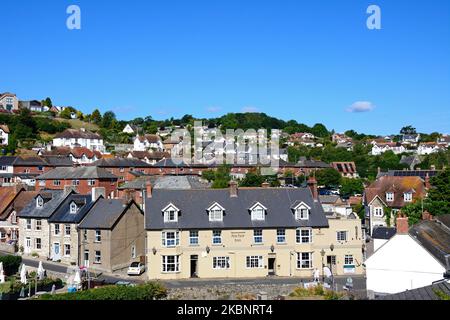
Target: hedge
11 264
148 291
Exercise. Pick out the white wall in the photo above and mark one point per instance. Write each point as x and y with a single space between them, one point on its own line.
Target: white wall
400 265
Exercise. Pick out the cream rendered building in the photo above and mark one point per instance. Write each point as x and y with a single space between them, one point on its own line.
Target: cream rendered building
247 233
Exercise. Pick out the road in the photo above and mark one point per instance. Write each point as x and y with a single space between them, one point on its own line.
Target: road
359 282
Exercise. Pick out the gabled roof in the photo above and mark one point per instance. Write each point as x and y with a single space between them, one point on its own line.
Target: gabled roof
5 128
7 196
7 160
215 204
433 292
63 215
77 152
151 138
398 185
434 236
105 214
80 173
56 198
193 204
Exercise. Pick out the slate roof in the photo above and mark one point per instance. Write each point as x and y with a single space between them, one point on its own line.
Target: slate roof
104 214
121 163
76 134
80 173
63 215
329 198
193 206
425 293
156 155
166 182
383 233
7 160
434 236
55 198
58 161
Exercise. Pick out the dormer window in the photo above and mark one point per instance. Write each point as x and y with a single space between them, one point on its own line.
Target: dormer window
258 212
390 196
408 196
216 212
39 202
302 211
73 208
170 213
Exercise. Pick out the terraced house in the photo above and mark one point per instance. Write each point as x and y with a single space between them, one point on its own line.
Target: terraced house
252 232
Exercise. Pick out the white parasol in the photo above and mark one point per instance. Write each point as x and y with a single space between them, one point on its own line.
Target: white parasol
40 271
77 279
23 274
2 274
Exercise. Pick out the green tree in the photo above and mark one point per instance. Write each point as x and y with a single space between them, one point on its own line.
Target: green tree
47 102
96 117
319 130
408 130
439 194
252 180
350 187
108 120
328 177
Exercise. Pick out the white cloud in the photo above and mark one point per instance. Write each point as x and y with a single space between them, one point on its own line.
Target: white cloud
361 106
250 110
213 109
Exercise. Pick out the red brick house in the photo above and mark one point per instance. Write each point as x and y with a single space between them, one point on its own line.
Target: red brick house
123 168
81 178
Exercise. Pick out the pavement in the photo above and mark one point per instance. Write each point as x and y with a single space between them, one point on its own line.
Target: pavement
359 282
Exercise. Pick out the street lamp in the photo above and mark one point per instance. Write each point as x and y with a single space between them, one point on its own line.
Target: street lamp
322 253
331 268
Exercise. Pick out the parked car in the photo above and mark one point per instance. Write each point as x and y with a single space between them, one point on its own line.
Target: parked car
136 269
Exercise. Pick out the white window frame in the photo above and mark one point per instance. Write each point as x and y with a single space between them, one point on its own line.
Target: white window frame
36 244
390 196
73 208
98 236
170 213
97 257
301 260
56 183
302 238
342 235
133 252
28 242
221 263
172 241
349 260
215 212
165 264
91 182
281 234
254 262
377 210
38 225
302 211
39 202
29 224
67 246
67 227
258 236
408 197
194 238
57 230
258 212
217 235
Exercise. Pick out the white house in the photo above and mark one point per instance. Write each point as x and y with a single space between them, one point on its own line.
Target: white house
147 142
380 148
412 258
4 135
79 138
9 102
429 148
130 129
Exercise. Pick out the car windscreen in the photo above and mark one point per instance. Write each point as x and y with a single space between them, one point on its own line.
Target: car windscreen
134 265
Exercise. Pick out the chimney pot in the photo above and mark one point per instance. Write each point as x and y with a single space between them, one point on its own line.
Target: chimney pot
312 184
233 189
402 224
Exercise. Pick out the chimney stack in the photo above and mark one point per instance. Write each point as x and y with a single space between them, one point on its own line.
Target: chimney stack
312 184
233 189
402 224
97 192
148 190
266 185
68 189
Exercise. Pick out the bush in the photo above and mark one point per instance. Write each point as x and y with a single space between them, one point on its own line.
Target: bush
148 291
11 264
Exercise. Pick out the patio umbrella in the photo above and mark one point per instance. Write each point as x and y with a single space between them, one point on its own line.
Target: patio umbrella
2 274
23 274
22 292
77 279
40 271
53 289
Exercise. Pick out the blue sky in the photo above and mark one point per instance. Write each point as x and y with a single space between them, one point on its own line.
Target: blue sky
303 60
